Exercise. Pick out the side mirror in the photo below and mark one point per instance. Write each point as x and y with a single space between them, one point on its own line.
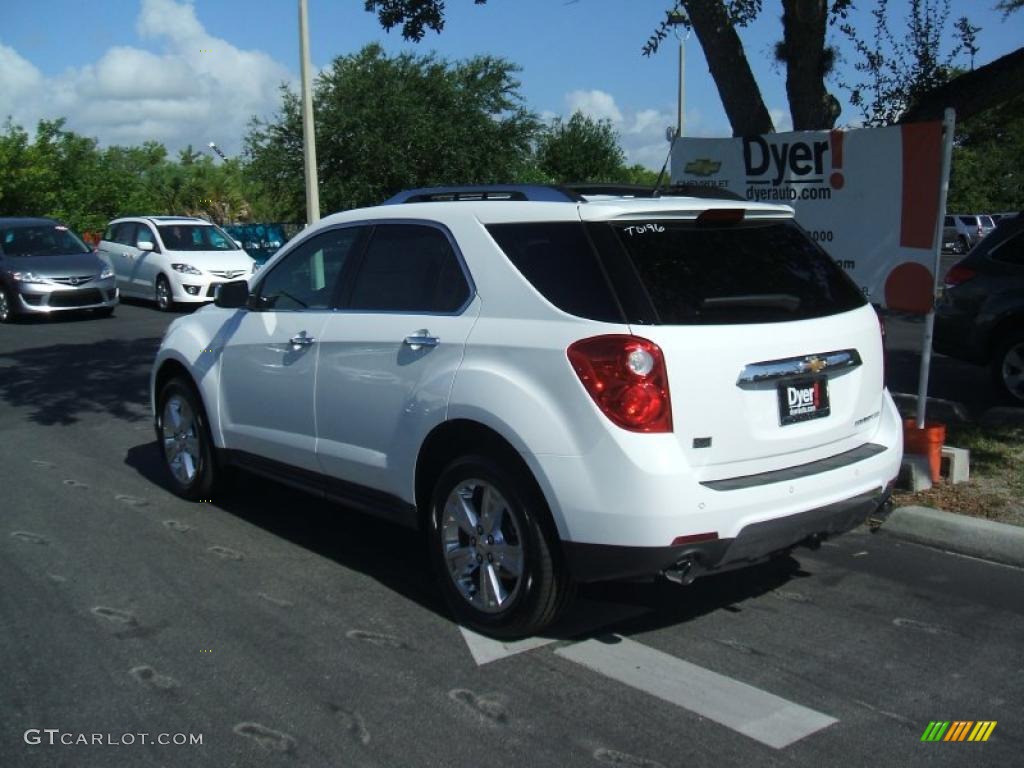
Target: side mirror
237 242
145 245
232 295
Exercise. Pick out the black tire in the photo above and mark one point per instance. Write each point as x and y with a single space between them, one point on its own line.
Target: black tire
7 305
962 246
163 295
104 312
543 588
205 477
1008 368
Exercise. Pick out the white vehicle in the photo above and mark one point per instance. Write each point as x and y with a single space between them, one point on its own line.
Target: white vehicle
553 390
172 259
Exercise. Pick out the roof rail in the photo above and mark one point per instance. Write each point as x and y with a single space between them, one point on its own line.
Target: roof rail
534 192
554 193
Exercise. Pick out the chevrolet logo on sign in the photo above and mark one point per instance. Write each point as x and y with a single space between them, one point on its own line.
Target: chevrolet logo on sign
703 166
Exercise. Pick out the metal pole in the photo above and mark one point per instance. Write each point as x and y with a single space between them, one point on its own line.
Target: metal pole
948 126
308 131
680 115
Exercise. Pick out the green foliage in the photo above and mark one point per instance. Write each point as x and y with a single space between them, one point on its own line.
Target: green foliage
64 175
581 149
390 123
988 161
896 69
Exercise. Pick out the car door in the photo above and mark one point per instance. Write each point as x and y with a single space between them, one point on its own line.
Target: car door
147 264
389 356
268 365
121 253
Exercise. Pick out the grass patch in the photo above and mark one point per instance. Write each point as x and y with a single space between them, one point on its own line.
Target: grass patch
996 488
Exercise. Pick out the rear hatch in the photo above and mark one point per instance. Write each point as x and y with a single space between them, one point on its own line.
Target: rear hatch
774 357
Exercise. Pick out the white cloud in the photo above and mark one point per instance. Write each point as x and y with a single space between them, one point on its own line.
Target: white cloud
641 131
192 89
596 104
781 119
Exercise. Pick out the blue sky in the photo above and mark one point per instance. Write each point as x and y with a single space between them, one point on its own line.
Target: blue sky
190 72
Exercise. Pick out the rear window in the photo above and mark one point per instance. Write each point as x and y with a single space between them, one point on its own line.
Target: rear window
754 272
680 273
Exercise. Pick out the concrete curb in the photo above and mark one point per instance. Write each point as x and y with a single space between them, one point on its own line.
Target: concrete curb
964 535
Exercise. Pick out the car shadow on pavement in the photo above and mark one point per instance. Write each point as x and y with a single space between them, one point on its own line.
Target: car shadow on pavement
110 377
396 557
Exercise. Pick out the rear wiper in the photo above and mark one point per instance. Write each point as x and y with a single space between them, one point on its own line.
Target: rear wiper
786 301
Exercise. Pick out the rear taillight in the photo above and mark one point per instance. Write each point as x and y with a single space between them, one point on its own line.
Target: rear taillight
627 378
958 274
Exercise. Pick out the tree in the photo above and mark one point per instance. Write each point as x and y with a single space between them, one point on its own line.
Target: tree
580 149
988 161
898 69
804 51
390 123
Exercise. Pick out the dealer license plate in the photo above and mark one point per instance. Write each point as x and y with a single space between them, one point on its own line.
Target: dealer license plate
803 399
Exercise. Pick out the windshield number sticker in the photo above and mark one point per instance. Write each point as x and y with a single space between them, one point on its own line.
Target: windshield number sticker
642 229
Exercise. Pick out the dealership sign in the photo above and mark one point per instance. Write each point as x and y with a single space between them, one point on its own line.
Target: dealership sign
869 196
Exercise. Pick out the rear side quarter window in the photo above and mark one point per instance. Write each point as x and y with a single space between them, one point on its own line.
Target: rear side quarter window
558 259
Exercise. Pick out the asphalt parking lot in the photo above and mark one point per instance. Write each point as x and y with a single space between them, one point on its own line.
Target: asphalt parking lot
285 631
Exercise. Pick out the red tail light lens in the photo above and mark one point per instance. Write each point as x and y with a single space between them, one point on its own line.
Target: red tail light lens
958 274
627 379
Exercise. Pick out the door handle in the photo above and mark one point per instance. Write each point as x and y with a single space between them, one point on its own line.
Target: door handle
303 339
421 338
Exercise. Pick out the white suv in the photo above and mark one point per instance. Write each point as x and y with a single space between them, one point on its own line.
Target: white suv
553 389
172 259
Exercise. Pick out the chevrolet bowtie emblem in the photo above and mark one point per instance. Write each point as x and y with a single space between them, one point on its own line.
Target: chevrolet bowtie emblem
703 166
814 364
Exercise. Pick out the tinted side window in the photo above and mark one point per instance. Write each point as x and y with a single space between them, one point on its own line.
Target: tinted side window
948 222
1011 250
970 221
758 272
409 268
144 233
307 277
558 260
108 233
124 233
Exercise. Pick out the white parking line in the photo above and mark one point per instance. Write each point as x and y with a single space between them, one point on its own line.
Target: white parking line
755 713
585 617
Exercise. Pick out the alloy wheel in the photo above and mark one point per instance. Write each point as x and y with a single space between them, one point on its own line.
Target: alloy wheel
180 437
163 293
483 546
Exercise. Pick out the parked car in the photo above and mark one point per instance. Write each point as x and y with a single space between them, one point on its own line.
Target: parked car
45 268
961 232
997 217
980 314
553 390
172 259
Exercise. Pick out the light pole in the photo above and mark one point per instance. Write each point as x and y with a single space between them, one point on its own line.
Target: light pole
677 19
308 132
217 149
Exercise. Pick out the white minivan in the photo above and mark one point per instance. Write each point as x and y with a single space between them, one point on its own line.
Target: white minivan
172 259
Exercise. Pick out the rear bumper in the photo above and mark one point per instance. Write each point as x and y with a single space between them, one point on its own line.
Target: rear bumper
755 542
